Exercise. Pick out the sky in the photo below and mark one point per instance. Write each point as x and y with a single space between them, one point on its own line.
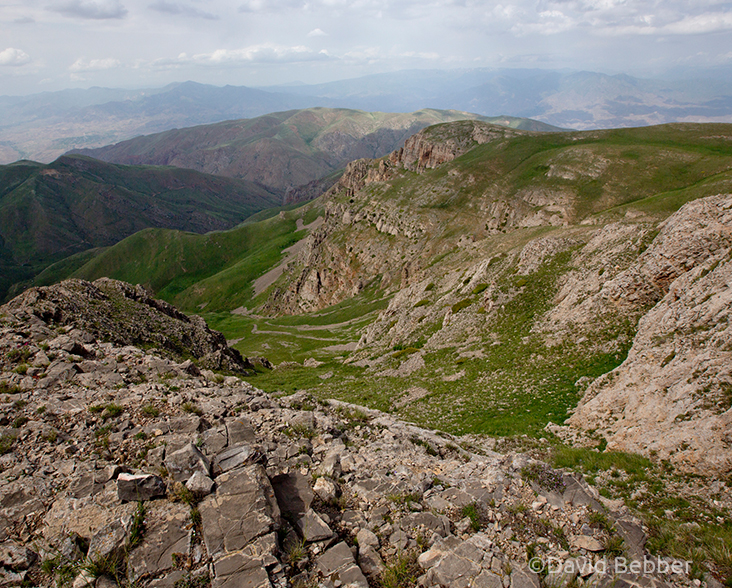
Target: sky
48 45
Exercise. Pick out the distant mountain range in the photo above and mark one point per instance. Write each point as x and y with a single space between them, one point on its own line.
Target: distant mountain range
43 126
284 151
51 212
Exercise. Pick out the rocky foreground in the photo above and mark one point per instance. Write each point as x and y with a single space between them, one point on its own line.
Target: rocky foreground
123 466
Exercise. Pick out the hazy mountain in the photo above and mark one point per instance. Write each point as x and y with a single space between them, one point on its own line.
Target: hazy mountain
43 126
581 100
50 212
285 150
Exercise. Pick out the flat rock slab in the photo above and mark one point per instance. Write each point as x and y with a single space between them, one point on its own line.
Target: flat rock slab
235 457
238 570
139 487
586 542
166 533
523 577
337 564
243 508
240 430
312 528
200 484
453 569
294 494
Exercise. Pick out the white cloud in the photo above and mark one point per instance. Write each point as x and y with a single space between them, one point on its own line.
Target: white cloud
271 5
14 57
177 8
94 64
317 33
264 53
91 9
703 23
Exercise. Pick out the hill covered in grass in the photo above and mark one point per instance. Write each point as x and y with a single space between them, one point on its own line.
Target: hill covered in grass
285 150
75 204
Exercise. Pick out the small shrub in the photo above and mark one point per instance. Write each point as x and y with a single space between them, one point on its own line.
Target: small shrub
22 369
6 388
424 302
402 572
544 476
191 408
615 545
296 551
191 581
6 443
138 526
150 410
471 511
111 411
479 288
458 306
183 494
19 422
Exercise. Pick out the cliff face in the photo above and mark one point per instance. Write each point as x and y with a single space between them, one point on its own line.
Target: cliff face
672 397
383 241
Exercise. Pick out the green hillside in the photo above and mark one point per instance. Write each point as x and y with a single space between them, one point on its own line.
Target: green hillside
49 212
215 269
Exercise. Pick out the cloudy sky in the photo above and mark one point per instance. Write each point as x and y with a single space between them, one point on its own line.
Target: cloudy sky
55 44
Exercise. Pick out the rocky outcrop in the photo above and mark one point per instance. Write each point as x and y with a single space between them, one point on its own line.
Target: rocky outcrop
125 315
672 396
133 468
442 143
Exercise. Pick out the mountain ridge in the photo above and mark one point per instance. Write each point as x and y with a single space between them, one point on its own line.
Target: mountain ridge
285 150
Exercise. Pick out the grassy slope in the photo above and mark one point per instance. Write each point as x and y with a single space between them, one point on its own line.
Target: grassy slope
49 212
215 269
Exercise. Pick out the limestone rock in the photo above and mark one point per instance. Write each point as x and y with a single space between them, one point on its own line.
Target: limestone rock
243 508
139 486
182 464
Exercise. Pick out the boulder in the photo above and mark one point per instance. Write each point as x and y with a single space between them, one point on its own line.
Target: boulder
139 486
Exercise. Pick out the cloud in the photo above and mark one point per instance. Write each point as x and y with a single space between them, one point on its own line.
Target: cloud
24 20
14 57
94 64
317 33
266 53
703 23
271 5
91 9
181 9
